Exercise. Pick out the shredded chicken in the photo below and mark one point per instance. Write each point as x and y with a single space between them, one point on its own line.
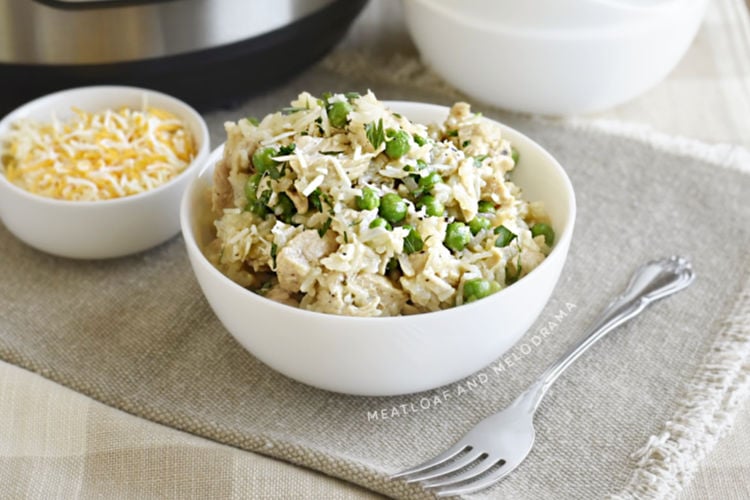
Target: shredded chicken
296 259
280 295
223 193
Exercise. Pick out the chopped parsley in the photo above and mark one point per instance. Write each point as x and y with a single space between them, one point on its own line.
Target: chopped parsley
375 133
479 159
315 200
325 227
274 172
505 236
291 110
274 250
265 196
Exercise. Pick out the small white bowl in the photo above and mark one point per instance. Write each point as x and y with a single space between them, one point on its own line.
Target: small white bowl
389 355
107 228
554 57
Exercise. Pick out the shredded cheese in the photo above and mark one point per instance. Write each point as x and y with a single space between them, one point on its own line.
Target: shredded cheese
97 156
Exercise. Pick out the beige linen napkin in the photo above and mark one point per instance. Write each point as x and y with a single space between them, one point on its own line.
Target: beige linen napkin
633 416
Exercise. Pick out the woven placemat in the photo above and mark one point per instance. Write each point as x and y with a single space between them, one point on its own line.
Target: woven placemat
634 416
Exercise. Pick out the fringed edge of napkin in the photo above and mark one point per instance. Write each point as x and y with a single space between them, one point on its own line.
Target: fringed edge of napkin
711 400
668 461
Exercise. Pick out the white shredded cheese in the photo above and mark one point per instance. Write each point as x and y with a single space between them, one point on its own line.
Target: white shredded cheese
97 156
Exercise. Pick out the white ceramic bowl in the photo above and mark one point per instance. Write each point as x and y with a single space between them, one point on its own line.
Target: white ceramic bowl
108 228
553 57
390 355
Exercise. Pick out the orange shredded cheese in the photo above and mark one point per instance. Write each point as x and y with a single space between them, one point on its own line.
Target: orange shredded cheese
97 156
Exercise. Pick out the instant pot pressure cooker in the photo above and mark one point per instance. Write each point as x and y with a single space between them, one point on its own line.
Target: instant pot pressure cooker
207 52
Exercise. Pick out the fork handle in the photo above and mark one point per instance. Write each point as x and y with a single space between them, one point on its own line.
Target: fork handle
652 281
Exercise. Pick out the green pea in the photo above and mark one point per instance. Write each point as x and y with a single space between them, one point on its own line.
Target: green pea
428 181
478 223
457 236
479 288
369 199
284 208
421 141
397 143
380 222
338 112
514 154
504 236
413 241
263 159
546 230
486 207
257 207
432 206
392 208
251 187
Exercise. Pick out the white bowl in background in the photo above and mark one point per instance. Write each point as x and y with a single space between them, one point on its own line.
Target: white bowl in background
387 355
106 228
554 57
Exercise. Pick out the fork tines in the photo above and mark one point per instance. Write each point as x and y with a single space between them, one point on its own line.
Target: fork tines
458 464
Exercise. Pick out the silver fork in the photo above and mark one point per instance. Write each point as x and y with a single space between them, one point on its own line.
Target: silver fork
500 442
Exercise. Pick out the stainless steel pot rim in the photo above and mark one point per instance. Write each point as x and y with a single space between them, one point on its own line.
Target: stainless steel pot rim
36 33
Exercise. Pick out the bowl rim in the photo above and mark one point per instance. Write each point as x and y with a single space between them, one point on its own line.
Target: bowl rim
560 246
650 17
186 110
